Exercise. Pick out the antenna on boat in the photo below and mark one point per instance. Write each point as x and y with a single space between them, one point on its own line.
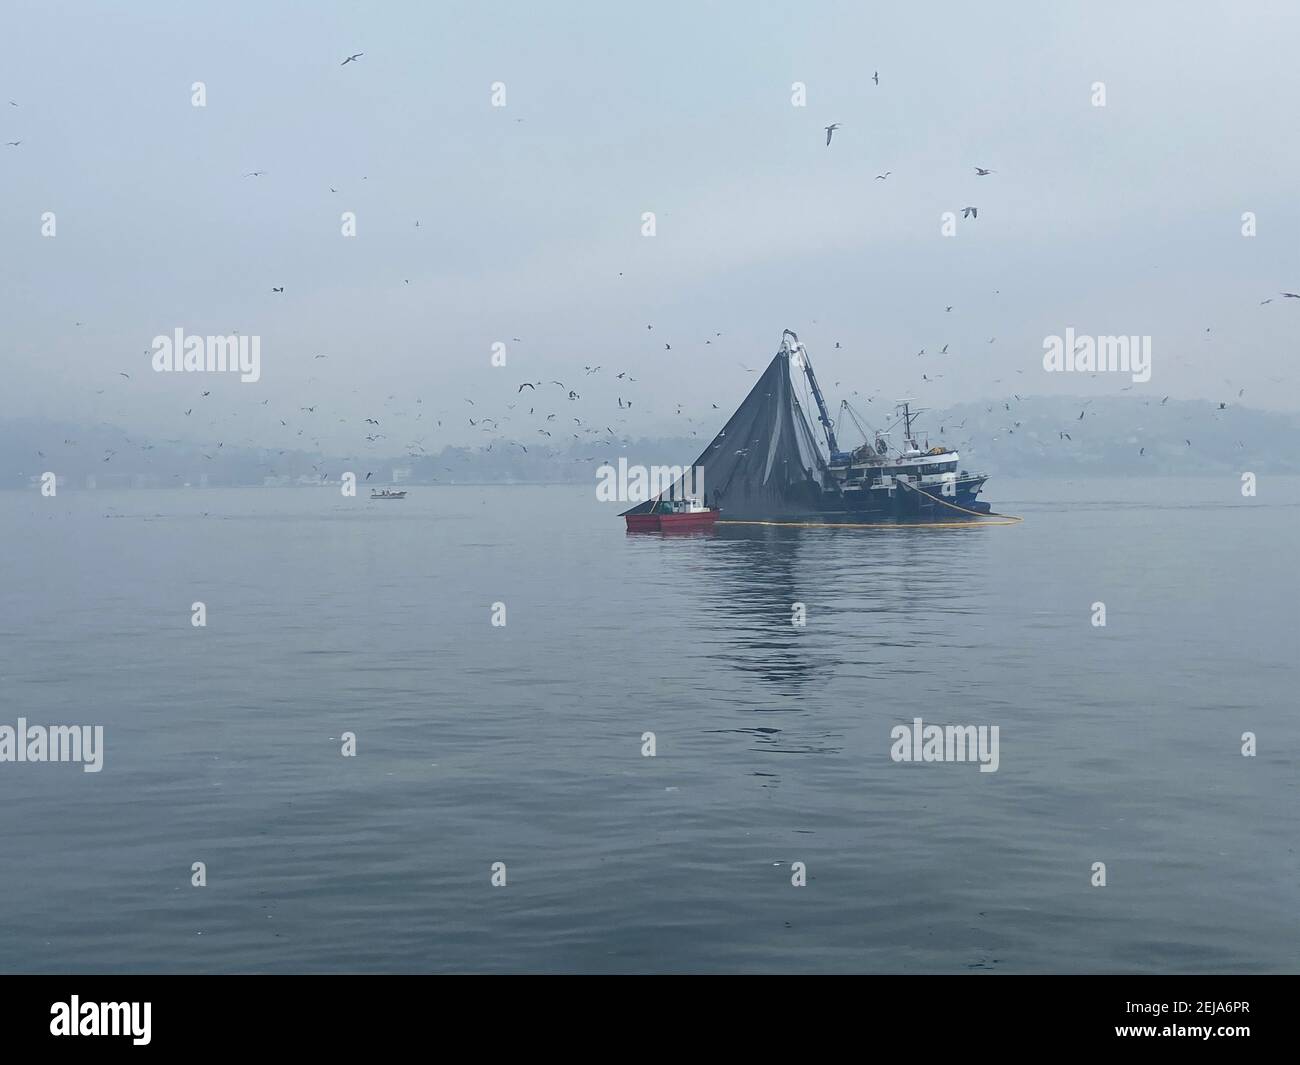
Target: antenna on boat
908 415
797 348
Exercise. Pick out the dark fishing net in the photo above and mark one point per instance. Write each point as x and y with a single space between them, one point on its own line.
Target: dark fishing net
765 463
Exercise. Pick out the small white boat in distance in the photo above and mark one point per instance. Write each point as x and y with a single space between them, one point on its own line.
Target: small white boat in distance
386 493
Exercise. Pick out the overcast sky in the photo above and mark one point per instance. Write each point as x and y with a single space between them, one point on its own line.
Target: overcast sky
1121 219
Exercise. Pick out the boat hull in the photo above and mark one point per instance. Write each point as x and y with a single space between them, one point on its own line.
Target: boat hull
928 502
698 521
897 503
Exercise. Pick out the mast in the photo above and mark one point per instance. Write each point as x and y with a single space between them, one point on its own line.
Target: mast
909 416
822 415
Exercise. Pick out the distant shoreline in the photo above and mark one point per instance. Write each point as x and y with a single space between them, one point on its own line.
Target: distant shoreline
333 485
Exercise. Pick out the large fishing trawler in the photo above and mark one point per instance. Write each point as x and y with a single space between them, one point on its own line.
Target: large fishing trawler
766 464
875 479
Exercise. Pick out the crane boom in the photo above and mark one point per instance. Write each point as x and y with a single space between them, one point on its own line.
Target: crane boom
822 415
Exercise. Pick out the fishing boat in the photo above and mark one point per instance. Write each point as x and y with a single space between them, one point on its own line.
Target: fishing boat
673 515
767 463
917 479
387 493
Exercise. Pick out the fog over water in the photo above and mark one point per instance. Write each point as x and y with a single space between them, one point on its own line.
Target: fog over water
1117 220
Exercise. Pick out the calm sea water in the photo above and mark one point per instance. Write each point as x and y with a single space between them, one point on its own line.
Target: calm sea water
522 744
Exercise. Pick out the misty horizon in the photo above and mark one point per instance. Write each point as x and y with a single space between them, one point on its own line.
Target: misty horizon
498 212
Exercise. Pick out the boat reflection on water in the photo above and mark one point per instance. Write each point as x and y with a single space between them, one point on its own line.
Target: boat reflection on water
805 618
758 582
799 608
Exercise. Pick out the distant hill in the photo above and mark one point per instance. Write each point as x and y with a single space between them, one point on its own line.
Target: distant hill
1036 436
1117 436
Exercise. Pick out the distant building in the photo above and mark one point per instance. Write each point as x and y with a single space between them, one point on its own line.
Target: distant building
402 473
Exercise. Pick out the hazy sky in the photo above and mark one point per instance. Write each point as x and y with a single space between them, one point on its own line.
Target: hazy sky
1119 219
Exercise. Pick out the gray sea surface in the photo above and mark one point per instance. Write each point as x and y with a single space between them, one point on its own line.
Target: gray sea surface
522 743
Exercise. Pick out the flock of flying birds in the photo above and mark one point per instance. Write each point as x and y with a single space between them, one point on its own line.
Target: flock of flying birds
972 212
556 408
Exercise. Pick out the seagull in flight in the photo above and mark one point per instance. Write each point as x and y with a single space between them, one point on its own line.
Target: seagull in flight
981 172
255 173
881 177
876 77
830 132
352 59
970 212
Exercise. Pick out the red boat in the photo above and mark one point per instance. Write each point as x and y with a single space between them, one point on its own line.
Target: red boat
686 515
